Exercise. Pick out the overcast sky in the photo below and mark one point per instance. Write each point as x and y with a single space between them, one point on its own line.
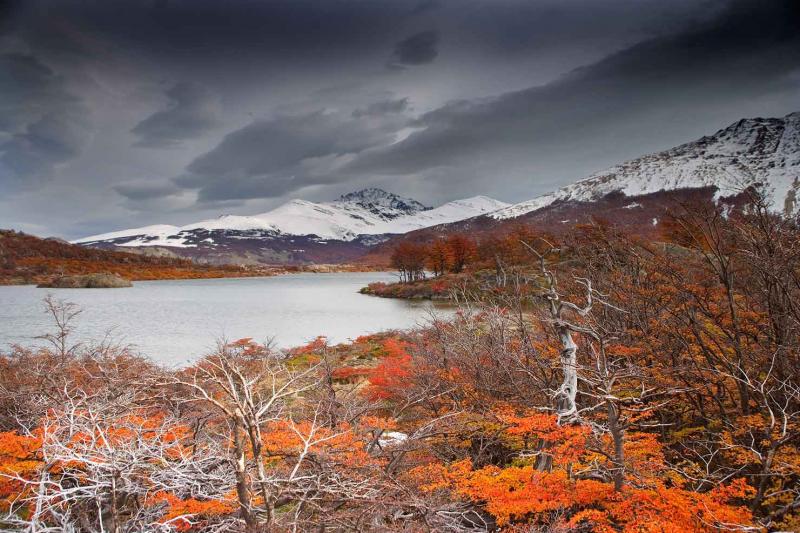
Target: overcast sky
116 114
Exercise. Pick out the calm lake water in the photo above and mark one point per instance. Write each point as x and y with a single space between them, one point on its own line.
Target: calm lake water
177 321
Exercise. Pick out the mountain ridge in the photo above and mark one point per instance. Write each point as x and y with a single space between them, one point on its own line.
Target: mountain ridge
298 231
366 212
750 151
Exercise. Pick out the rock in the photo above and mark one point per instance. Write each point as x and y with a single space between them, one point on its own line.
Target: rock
87 281
56 239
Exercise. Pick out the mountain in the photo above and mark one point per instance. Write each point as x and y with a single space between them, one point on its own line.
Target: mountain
299 231
755 151
382 203
637 194
366 224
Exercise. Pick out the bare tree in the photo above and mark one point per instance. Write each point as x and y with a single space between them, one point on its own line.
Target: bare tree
64 315
251 386
558 311
102 460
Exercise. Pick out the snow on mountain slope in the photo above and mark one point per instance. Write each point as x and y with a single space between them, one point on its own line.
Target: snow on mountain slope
366 212
334 220
748 152
136 236
449 212
349 217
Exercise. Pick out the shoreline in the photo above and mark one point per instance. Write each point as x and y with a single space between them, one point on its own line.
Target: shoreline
267 271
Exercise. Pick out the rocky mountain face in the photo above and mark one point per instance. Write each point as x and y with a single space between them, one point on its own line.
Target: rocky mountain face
383 204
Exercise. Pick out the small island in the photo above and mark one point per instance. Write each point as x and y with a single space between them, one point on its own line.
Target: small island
87 281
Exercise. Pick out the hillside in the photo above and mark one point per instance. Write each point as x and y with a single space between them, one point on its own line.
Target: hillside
27 259
590 393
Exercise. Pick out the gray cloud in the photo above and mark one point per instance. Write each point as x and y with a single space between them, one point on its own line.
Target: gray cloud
192 113
424 6
41 123
138 191
418 49
502 106
271 157
382 108
650 96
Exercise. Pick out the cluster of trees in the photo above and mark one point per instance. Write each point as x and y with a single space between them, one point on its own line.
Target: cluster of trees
458 253
599 383
451 254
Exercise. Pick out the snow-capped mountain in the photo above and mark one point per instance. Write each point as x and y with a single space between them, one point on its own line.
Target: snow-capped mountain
636 193
382 204
368 212
748 152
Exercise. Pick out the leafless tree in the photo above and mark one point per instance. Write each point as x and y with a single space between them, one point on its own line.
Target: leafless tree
64 316
101 461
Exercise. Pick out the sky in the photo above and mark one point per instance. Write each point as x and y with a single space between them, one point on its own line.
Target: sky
118 114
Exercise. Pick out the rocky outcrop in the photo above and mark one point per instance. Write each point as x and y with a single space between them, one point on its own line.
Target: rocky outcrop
87 281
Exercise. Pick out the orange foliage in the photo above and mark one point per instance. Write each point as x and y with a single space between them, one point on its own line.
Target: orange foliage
522 494
391 376
186 514
339 445
652 500
18 458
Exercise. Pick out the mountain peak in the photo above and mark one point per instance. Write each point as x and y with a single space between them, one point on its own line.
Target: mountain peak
379 201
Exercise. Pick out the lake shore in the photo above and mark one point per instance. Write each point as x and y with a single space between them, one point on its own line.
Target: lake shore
179 273
174 321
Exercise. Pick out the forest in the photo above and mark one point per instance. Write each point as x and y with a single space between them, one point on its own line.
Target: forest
597 381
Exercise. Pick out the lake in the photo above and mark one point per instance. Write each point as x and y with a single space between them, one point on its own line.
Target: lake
175 322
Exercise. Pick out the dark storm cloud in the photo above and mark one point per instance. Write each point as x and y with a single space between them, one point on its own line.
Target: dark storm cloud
192 113
210 32
424 6
418 49
41 123
382 108
616 108
520 119
271 157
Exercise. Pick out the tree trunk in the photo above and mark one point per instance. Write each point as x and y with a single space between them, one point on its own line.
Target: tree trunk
617 434
565 399
242 486
115 525
258 449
